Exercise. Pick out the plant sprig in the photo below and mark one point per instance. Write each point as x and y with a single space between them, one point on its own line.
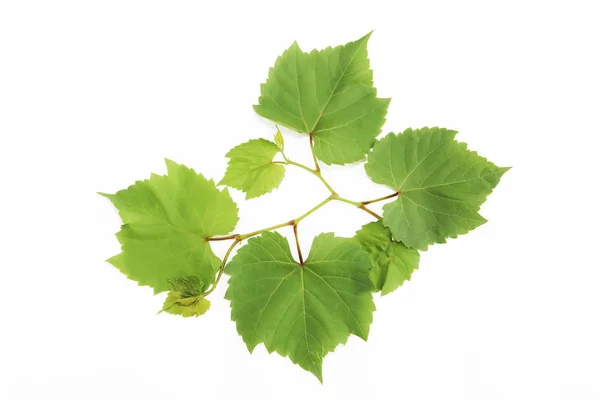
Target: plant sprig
301 306
238 238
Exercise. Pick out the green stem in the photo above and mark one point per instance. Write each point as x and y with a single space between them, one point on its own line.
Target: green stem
314 156
270 228
360 205
222 267
312 210
228 237
239 238
281 225
316 173
354 203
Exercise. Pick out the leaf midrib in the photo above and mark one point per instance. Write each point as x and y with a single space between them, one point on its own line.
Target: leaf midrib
450 183
321 110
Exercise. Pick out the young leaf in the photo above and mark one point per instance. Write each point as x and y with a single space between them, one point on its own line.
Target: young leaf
185 306
302 312
188 286
441 185
251 168
166 221
278 137
329 94
393 262
185 297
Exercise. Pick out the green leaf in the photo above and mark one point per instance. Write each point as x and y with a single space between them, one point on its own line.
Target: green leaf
278 137
329 94
393 262
441 184
188 286
176 304
302 312
185 297
166 221
251 168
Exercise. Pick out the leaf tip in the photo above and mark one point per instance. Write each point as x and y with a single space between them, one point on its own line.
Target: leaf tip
170 164
318 373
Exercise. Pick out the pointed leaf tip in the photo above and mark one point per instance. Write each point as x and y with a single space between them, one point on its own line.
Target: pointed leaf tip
367 36
347 92
441 202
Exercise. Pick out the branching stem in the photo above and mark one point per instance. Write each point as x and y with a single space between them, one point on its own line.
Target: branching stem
222 267
238 238
270 228
312 210
316 173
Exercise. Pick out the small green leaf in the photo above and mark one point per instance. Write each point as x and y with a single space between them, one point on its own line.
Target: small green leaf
166 221
278 137
329 94
251 168
441 184
177 304
393 262
302 312
185 297
188 286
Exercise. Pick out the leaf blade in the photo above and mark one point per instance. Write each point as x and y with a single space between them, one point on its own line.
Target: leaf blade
321 93
185 297
393 262
251 168
166 220
302 312
441 184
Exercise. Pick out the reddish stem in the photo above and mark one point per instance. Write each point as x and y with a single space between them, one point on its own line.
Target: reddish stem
389 196
298 244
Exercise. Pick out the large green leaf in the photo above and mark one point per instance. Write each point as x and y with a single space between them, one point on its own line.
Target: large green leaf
393 262
302 312
166 221
251 168
441 185
329 94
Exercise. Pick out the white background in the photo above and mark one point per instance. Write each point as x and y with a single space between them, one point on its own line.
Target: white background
94 94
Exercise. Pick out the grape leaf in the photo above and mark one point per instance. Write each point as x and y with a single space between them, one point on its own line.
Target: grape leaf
188 286
185 306
185 297
302 312
251 168
328 94
166 220
441 185
393 262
